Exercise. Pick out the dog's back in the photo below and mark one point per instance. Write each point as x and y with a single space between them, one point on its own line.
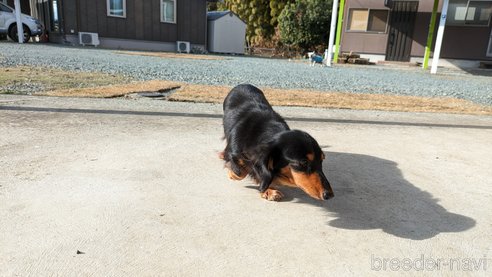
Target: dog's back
248 113
245 95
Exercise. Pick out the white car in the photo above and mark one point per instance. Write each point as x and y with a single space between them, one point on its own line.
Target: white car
8 24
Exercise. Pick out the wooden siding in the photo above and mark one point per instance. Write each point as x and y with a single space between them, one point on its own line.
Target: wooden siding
142 20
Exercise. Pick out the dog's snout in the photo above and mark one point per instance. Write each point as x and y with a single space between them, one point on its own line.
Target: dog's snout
327 191
327 195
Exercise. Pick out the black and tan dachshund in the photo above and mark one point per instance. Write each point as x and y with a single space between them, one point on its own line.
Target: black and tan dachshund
261 144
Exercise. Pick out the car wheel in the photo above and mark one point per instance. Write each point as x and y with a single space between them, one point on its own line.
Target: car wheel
13 33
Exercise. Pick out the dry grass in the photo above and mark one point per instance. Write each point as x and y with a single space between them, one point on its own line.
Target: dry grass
116 90
171 55
53 79
57 82
318 99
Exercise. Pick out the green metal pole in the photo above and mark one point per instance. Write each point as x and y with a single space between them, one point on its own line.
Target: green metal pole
430 36
339 30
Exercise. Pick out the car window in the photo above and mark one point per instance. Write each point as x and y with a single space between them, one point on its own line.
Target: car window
4 8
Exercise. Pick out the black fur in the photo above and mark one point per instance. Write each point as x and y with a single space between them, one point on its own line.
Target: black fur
260 141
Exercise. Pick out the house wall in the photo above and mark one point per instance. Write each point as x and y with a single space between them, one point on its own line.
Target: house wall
453 46
25 7
459 42
466 43
227 35
142 20
361 42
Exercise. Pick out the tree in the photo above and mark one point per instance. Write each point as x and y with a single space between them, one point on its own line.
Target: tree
276 8
256 14
305 23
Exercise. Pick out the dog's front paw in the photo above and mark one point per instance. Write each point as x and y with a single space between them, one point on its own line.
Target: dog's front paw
272 195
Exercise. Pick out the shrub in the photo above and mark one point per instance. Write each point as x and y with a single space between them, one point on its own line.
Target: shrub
305 24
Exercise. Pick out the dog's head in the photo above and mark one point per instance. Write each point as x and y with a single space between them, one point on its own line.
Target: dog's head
295 159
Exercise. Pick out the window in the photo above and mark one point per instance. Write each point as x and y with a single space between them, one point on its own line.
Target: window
168 11
363 20
117 8
5 9
358 20
467 12
377 21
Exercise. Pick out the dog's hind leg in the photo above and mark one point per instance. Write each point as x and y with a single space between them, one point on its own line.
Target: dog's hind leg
237 169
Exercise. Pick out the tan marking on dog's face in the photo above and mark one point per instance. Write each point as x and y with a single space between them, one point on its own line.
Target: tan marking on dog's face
285 177
322 156
241 162
309 183
310 157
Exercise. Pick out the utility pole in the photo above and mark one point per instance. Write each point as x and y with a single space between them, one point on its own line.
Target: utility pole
20 28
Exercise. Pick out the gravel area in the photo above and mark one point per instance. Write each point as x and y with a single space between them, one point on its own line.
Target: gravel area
258 71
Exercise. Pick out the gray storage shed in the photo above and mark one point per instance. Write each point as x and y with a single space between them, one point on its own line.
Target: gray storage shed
226 32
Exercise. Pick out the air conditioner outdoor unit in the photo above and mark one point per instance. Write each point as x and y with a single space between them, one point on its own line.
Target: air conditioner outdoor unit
183 46
88 39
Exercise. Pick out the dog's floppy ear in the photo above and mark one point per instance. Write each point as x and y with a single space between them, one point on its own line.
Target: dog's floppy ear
266 178
266 165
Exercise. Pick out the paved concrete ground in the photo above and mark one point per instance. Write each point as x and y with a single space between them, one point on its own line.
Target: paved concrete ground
136 187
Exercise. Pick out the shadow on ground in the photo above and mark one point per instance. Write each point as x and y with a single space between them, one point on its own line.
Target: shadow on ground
371 193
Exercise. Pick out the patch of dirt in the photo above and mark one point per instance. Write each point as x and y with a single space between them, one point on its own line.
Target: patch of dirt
118 90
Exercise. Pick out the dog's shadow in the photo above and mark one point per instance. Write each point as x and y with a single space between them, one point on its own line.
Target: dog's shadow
371 193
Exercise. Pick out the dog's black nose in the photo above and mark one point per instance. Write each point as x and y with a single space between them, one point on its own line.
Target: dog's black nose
327 195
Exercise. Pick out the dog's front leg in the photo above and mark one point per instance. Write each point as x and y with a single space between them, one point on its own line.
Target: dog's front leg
265 191
272 195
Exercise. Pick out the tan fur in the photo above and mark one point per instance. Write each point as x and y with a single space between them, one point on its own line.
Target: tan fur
310 157
309 183
285 178
235 177
272 195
